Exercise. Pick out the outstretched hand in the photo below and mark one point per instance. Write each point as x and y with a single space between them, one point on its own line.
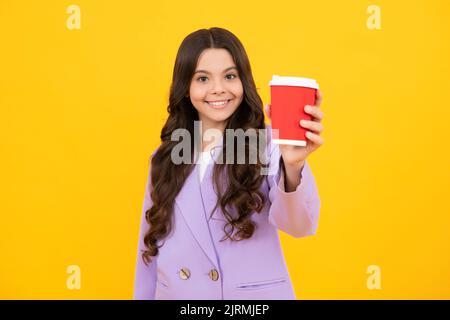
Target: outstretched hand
296 155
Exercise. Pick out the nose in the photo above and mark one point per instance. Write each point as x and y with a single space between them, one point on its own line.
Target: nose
218 87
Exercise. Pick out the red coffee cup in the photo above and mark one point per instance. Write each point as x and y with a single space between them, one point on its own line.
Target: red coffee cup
288 96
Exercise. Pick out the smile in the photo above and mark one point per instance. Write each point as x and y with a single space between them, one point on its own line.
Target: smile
219 104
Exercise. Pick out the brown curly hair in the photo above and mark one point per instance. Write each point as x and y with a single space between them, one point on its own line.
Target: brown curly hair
244 180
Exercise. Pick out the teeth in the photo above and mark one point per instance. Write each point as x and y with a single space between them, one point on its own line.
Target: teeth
218 103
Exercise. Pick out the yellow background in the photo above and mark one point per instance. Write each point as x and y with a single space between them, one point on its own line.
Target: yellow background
81 111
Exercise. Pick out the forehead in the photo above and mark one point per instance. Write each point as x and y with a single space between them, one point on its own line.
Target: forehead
215 60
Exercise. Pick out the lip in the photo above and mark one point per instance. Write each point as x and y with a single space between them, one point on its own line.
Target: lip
219 107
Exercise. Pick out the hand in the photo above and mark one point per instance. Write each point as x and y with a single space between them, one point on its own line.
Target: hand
296 155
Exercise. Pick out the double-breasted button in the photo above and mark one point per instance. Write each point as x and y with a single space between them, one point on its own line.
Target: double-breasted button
184 273
214 275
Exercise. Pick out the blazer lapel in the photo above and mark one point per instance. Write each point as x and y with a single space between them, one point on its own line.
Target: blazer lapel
209 195
190 203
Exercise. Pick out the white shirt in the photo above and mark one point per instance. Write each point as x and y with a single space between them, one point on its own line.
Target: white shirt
203 161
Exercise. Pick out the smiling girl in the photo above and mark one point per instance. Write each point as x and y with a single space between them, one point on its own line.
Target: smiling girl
210 230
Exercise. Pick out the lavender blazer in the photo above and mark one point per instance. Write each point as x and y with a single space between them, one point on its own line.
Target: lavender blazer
194 264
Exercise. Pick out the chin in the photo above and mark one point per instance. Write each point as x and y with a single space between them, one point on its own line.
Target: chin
218 118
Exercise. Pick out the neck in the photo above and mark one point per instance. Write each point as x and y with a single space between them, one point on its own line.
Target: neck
211 132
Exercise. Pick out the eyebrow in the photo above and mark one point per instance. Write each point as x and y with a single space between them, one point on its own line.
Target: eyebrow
207 72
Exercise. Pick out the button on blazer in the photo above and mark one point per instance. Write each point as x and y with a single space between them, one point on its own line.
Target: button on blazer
194 264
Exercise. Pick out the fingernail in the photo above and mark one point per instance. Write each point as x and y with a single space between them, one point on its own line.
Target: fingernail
302 122
307 108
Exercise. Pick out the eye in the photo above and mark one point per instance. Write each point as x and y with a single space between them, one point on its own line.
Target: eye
227 76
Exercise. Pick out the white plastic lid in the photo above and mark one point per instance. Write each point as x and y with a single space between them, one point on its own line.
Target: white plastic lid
293 81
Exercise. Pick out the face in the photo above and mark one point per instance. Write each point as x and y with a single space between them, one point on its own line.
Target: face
216 90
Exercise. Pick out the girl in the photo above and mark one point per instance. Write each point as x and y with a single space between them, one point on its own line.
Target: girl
210 231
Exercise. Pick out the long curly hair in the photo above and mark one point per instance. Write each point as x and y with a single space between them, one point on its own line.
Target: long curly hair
240 195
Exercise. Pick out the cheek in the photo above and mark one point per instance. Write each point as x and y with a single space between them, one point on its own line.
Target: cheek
238 90
197 96
197 89
196 93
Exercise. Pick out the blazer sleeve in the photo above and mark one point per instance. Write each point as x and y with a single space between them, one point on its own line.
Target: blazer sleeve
145 276
295 213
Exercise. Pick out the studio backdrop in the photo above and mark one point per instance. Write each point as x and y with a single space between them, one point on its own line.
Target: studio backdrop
84 89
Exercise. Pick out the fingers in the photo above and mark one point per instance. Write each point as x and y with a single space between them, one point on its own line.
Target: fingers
315 112
314 126
315 138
